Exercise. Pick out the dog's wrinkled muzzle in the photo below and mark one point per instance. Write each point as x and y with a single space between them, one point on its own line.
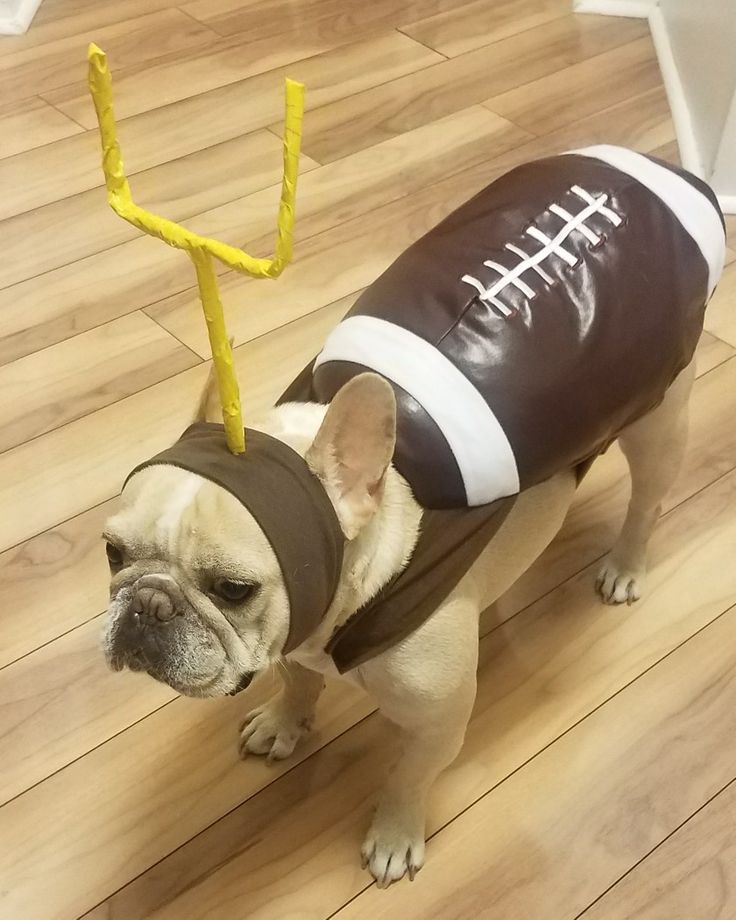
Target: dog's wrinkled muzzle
155 629
157 599
155 604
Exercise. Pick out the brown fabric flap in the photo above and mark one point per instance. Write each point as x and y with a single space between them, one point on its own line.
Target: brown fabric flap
449 542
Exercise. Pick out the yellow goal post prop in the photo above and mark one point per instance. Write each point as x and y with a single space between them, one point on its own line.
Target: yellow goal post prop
202 250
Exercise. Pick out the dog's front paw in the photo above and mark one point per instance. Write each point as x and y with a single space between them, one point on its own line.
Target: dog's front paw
272 730
617 584
394 846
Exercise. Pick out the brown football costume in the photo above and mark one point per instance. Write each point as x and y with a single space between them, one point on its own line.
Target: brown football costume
538 320
520 335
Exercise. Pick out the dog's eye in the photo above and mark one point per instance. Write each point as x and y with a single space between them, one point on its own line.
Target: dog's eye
114 555
233 591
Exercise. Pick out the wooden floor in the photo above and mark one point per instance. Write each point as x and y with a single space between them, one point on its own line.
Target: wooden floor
598 775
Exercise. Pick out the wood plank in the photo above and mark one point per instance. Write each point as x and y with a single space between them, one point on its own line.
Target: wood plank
540 674
367 245
219 777
157 415
228 61
47 309
731 238
76 19
53 583
391 108
70 166
573 92
179 77
51 307
42 69
52 499
103 713
327 18
266 18
29 123
56 385
457 30
695 866
731 228
669 152
76 227
720 317
53 10
76 689
712 352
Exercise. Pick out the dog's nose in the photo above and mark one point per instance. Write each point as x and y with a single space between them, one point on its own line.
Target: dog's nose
153 603
157 599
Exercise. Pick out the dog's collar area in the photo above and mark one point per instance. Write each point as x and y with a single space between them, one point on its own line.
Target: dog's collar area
287 501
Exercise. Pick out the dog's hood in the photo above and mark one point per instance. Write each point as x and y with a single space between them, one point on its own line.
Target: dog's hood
287 501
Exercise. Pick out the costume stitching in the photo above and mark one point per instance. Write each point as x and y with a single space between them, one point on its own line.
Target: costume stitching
550 246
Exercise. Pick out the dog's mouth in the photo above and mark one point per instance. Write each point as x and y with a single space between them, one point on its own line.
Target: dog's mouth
208 688
178 677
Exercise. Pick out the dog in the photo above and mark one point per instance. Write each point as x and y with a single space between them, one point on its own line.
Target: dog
199 598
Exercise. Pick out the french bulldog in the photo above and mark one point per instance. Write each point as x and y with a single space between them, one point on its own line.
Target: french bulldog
198 601
596 301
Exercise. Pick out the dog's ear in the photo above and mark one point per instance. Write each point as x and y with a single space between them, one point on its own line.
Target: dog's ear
354 447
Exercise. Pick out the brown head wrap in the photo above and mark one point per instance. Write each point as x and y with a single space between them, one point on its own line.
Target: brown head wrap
287 501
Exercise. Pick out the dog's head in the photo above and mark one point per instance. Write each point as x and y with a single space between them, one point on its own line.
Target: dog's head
199 599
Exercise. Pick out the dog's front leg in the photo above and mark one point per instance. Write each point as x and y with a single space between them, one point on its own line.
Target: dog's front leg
275 727
394 845
427 688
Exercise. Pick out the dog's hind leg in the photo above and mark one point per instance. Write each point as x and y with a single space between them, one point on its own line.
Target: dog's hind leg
654 447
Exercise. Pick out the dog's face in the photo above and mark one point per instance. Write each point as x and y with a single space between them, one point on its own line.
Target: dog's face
198 600
197 596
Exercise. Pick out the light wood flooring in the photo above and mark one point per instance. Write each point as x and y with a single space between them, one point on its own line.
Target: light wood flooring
597 780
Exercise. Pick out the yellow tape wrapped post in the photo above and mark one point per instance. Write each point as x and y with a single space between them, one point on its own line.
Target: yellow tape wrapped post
222 353
202 249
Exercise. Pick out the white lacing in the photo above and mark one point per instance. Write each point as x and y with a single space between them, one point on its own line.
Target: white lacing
549 248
